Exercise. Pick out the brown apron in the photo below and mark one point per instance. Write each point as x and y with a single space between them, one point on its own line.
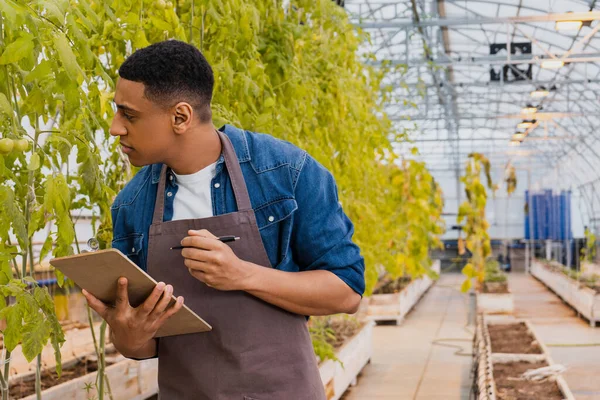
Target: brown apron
255 351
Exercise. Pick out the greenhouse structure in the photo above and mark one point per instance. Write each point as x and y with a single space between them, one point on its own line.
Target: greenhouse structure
309 199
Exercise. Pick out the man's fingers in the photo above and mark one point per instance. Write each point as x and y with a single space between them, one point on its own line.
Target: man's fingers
201 242
195 264
202 232
171 311
201 276
164 301
151 301
95 304
122 301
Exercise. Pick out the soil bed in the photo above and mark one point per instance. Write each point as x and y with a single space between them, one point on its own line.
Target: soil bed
23 388
510 387
513 339
388 286
344 330
495 287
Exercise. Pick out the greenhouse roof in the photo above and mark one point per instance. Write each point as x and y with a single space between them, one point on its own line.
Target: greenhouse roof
469 92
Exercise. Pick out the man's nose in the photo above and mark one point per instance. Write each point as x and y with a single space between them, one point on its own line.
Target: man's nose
116 128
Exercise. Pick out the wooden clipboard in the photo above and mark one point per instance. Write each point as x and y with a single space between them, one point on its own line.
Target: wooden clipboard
98 273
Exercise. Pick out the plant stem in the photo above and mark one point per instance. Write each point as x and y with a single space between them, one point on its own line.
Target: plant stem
7 365
91 322
4 386
38 377
101 361
108 387
13 261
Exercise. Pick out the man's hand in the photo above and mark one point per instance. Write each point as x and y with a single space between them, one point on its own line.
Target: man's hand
133 329
213 262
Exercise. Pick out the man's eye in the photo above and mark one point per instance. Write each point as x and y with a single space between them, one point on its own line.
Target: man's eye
128 117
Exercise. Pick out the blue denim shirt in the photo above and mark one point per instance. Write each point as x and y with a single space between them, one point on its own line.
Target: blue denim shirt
301 221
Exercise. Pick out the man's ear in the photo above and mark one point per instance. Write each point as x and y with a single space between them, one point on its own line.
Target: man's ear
182 117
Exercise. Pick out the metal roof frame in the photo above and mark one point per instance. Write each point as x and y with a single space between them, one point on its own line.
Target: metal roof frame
453 106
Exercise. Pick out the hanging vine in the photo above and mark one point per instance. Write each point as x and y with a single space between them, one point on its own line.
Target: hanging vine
472 212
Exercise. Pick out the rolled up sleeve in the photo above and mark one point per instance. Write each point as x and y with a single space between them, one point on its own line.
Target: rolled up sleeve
322 232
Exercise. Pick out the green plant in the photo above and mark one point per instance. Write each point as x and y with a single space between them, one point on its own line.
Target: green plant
293 72
54 98
472 211
323 337
414 217
493 273
510 179
331 332
588 253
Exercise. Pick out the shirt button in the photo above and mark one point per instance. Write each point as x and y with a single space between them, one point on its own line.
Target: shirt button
217 185
170 177
133 249
169 194
271 218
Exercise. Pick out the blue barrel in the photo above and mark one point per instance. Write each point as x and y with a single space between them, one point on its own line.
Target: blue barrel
527 214
565 215
548 216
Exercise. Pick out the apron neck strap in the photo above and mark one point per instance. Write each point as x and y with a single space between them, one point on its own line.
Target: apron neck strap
235 176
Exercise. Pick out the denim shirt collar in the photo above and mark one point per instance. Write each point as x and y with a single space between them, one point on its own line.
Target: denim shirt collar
240 144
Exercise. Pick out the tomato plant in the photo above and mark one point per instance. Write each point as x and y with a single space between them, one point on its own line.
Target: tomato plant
290 70
472 212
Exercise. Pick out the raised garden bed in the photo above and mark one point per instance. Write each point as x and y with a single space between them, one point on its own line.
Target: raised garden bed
577 294
396 305
353 354
495 298
505 349
129 380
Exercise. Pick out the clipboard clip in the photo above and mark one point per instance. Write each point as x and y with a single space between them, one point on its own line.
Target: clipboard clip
92 245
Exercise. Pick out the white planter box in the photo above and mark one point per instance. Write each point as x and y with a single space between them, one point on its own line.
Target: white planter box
353 355
129 380
395 306
581 298
495 303
486 359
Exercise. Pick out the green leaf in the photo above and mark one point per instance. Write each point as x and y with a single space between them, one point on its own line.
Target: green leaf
469 271
37 221
36 333
466 286
139 40
14 324
17 50
42 70
8 10
66 55
11 212
160 24
46 248
54 12
60 278
56 335
6 273
34 162
5 107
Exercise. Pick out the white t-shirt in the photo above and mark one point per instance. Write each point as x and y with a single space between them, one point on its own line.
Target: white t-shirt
193 199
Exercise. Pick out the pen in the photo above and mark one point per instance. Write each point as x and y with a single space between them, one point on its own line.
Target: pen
224 239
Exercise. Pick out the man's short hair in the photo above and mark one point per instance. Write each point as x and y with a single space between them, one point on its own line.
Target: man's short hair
172 71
